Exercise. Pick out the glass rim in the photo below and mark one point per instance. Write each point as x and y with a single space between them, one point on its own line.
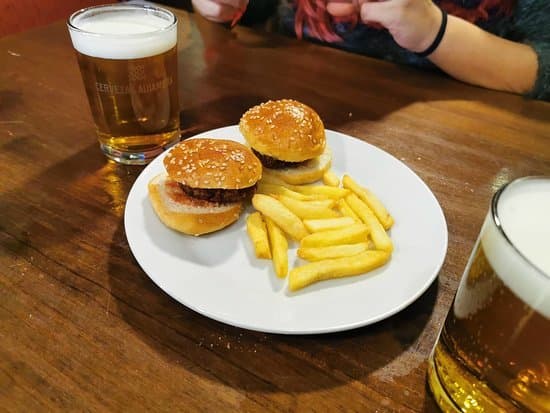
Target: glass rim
498 224
101 7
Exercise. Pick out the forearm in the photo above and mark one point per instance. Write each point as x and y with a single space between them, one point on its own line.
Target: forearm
472 55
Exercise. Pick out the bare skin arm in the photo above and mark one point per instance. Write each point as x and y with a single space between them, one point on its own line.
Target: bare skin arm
474 56
219 11
466 52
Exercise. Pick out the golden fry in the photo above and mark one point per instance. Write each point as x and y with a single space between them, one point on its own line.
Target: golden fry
279 247
371 200
305 275
281 215
274 189
370 244
328 191
330 178
334 251
345 210
255 226
350 234
307 209
378 234
318 190
325 203
317 225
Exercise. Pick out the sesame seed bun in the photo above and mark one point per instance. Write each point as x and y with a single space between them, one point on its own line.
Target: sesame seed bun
186 214
284 129
213 164
217 167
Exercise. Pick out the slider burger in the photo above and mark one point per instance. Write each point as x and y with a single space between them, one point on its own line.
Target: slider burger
205 184
289 138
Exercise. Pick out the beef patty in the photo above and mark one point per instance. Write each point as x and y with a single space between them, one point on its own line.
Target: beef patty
275 163
223 196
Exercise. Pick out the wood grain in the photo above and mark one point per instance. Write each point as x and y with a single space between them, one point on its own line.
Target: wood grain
20 15
82 328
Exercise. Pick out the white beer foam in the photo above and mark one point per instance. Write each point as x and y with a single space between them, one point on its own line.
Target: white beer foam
118 35
524 213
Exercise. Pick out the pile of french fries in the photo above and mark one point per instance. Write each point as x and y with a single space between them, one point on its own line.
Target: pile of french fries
340 227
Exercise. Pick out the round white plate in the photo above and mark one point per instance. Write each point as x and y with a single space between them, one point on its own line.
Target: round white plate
218 275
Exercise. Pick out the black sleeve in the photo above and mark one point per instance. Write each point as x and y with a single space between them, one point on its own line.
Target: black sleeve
532 27
258 11
179 4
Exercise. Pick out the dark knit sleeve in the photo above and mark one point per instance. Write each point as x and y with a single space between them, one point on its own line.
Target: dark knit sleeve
532 27
258 11
542 85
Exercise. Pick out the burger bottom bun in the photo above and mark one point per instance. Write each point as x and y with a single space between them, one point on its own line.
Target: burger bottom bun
189 215
307 172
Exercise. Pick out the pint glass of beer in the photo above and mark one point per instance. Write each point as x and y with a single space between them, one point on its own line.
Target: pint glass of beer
128 61
493 352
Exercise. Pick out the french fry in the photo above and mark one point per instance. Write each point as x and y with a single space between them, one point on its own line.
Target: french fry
330 178
317 225
345 210
275 189
371 200
257 231
279 247
281 215
307 274
326 203
334 251
370 244
325 190
307 209
306 203
328 191
350 234
379 236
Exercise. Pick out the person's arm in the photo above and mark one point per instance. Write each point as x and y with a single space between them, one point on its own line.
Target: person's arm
466 52
474 56
219 11
245 11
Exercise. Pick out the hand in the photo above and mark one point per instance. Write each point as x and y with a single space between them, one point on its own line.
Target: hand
219 11
412 23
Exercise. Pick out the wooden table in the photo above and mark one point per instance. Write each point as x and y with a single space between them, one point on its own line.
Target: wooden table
82 327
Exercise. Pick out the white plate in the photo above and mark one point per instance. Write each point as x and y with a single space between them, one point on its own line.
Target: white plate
218 276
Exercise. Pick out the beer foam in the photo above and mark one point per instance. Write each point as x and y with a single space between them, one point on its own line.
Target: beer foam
122 35
524 213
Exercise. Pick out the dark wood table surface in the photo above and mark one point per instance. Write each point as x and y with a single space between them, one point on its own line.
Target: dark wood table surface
82 327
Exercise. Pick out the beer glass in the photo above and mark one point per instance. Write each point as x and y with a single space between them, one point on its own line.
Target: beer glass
493 352
128 61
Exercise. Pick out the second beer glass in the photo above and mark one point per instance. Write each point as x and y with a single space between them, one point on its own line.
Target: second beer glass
493 353
128 61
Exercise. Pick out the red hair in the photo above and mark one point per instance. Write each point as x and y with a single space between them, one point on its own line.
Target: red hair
313 14
481 12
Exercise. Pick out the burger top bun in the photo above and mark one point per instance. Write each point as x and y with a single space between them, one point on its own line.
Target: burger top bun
213 164
284 129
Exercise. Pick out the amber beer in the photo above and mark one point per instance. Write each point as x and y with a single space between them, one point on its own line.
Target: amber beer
493 353
128 61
